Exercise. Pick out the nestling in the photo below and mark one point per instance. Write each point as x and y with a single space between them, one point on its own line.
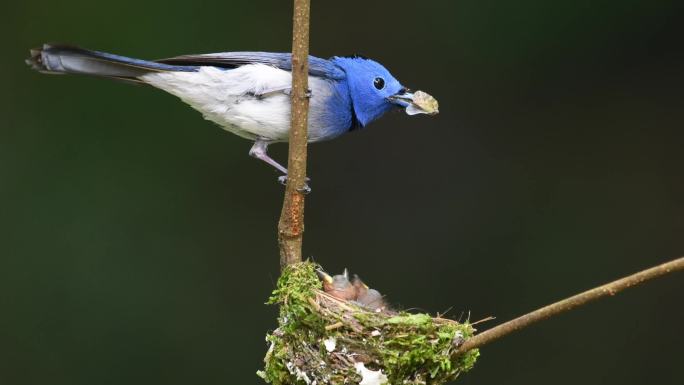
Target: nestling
338 286
367 297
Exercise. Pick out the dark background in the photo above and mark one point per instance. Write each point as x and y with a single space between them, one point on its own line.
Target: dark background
137 240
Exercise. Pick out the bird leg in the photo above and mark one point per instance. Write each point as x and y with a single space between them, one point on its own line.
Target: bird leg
259 151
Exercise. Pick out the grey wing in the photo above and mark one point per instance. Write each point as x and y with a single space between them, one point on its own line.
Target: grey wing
317 66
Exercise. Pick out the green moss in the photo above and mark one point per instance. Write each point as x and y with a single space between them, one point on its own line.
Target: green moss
408 348
296 283
295 286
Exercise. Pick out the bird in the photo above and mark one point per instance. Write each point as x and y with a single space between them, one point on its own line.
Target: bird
338 285
248 93
367 297
355 290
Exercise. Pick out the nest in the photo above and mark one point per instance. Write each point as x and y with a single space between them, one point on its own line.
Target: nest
324 340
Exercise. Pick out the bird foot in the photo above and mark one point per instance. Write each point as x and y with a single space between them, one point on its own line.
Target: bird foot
304 189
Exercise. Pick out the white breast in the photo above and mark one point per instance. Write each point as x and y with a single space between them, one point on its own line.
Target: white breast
249 101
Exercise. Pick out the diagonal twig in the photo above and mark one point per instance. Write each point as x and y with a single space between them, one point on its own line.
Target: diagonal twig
567 304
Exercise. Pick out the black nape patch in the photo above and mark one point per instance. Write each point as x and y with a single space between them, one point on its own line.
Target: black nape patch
356 56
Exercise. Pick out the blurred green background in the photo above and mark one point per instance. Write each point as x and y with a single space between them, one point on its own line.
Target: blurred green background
137 241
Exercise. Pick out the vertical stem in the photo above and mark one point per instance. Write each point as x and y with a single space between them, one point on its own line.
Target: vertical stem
291 224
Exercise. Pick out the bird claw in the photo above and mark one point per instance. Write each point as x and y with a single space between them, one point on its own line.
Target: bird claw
304 189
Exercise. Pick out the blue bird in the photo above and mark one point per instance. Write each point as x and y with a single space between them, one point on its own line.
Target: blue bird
248 93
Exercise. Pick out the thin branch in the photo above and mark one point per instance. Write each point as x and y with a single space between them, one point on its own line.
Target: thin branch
567 304
291 224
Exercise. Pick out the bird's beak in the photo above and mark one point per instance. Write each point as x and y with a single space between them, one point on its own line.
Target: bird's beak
403 98
415 103
358 281
324 276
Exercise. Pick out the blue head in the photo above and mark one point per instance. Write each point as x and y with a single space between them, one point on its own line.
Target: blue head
373 89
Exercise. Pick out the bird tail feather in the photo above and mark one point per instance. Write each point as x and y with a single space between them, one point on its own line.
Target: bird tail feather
63 59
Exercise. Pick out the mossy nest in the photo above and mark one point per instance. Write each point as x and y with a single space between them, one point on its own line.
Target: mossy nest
323 340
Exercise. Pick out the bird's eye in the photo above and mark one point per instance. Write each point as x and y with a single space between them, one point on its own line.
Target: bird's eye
379 83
